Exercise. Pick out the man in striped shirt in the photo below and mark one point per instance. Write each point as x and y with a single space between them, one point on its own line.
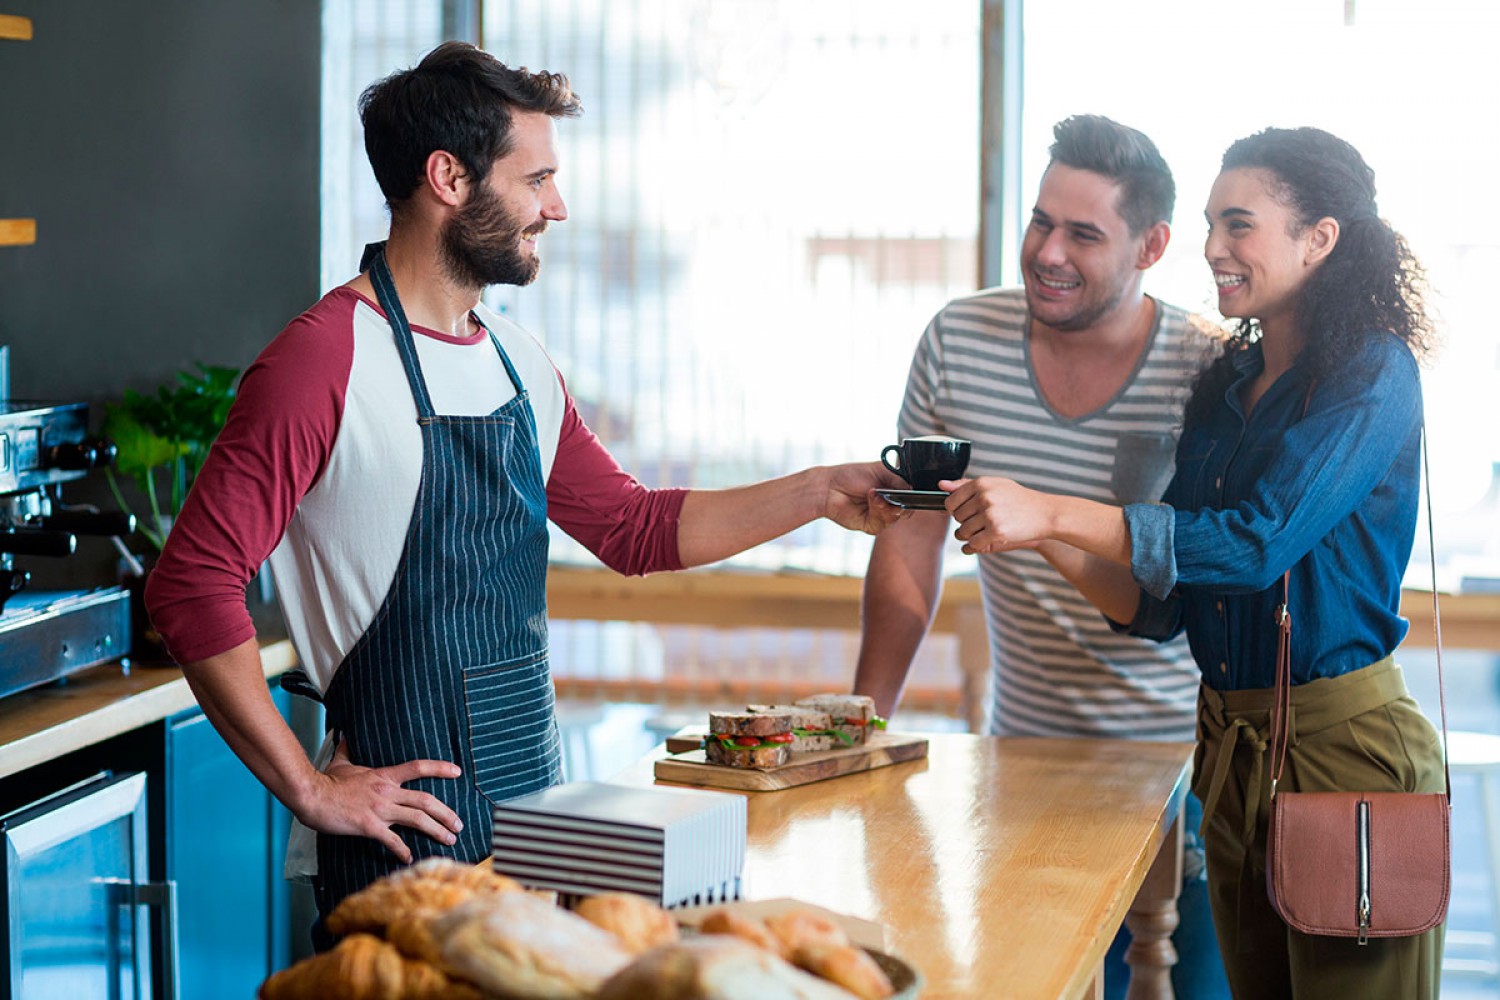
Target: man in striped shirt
1073 385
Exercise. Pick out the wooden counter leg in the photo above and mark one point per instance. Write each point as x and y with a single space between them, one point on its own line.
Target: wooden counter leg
1152 919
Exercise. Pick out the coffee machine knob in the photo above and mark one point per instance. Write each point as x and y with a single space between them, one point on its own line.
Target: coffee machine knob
12 582
30 542
104 523
73 455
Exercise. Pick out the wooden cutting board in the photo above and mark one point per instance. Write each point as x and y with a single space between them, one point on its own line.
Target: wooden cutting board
882 749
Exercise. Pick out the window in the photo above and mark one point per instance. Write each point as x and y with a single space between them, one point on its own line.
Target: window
768 200
363 41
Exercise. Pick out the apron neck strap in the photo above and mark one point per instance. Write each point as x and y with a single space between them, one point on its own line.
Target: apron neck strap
385 291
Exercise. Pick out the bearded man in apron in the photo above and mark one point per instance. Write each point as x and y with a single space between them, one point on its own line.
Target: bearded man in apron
396 452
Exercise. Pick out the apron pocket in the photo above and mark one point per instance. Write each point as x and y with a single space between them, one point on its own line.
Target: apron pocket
514 746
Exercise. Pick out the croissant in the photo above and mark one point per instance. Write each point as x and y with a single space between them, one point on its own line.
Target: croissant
638 923
712 967
514 945
433 884
363 967
725 922
412 935
846 965
797 928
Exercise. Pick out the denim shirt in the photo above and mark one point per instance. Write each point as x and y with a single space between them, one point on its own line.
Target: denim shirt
1330 494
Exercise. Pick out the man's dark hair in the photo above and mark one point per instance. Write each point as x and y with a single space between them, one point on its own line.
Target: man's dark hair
459 99
1124 155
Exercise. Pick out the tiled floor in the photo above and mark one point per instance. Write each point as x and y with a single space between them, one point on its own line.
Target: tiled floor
599 740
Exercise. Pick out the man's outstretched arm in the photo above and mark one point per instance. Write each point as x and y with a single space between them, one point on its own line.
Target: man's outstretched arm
716 524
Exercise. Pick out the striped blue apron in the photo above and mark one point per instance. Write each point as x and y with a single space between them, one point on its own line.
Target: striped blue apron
454 665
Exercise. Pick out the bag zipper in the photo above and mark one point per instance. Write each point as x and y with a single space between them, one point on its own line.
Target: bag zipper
1362 851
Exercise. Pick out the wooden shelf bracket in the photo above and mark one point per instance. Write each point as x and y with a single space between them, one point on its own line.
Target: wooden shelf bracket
17 232
18 28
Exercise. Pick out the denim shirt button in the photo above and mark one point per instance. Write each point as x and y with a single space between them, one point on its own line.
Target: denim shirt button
1219 483
1219 607
1223 667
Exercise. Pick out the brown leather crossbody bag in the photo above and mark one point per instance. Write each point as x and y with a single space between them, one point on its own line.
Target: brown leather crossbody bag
1356 864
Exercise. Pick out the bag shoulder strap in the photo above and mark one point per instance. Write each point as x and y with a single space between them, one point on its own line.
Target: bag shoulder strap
1281 701
1437 619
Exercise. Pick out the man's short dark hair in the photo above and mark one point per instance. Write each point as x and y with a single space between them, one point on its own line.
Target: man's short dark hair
1124 155
459 99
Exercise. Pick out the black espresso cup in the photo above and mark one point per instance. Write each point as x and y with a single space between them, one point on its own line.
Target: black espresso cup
925 461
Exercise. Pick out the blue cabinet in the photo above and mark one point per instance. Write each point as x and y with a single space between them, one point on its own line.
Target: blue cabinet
225 838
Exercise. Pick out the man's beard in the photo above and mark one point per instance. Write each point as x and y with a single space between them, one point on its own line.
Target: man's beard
1085 314
481 244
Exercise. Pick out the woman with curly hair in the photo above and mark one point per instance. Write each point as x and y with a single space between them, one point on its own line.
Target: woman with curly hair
1300 453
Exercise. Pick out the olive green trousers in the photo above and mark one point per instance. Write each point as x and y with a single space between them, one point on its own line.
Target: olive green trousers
1358 732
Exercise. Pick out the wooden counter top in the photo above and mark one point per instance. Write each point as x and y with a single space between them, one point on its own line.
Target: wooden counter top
99 703
999 867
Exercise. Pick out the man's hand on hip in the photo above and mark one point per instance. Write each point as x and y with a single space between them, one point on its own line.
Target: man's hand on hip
370 801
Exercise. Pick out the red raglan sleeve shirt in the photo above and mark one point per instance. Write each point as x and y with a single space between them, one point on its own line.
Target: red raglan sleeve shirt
318 466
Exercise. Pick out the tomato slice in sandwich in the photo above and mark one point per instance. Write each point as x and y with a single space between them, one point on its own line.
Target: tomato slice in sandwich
747 741
781 738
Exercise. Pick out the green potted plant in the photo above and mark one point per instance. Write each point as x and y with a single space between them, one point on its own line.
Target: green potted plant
161 441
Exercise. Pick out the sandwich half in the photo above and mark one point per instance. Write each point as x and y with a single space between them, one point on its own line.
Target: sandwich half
852 714
812 729
747 739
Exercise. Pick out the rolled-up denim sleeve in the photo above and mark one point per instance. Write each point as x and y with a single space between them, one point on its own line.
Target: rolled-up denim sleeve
1153 564
1153 561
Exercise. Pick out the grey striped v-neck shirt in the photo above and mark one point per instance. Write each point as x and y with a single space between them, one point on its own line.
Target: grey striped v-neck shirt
1057 667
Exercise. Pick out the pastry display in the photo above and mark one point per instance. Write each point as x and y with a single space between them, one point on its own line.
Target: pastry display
461 932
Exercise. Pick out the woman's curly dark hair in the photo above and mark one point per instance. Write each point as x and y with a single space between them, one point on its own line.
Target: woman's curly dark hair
1370 282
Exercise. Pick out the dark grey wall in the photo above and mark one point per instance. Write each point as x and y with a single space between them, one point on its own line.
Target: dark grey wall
168 150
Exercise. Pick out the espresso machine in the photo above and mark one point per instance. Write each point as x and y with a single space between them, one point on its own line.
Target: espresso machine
47 634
